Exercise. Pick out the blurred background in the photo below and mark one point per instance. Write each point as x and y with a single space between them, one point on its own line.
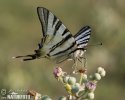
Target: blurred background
20 32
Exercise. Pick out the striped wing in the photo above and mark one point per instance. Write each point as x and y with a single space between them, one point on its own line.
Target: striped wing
51 25
59 41
83 36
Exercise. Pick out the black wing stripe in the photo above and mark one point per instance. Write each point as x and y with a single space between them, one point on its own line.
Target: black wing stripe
42 21
57 27
46 14
61 42
66 30
85 35
84 39
76 50
61 30
86 28
54 20
83 43
82 34
63 51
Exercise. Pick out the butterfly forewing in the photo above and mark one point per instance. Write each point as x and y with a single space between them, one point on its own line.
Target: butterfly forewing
59 40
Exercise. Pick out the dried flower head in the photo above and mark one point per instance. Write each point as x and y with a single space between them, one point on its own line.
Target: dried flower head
58 72
91 86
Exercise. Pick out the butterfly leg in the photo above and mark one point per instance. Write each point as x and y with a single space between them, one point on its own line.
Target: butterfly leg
85 60
75 65
81 61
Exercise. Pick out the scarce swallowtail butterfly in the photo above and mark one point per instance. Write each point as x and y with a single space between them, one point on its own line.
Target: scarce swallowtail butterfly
58 43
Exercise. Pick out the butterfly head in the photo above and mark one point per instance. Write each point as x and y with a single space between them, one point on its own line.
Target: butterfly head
39 53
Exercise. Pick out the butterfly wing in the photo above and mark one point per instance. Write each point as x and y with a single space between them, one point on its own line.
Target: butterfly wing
82 37
51 25
58 39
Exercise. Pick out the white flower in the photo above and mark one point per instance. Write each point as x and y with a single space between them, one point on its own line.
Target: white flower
97 76
101 71
62 98
38 96
91 95
84 76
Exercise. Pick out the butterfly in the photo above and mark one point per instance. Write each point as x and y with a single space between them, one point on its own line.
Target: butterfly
57 43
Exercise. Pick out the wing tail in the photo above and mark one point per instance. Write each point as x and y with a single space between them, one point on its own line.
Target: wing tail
27 57
83 36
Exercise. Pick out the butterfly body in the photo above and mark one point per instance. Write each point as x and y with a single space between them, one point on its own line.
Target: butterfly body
58 44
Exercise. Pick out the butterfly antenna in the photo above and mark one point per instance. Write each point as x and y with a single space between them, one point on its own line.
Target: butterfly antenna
99 44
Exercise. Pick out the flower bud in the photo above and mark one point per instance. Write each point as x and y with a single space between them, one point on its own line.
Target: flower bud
62 98
68 87
77 84
91 77
65 79
75 89
72 80
97 76
91 95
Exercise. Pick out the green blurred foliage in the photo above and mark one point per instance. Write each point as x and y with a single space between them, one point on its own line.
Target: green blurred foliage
20 31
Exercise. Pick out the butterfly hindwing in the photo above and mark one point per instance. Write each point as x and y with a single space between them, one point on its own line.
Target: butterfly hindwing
83 36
